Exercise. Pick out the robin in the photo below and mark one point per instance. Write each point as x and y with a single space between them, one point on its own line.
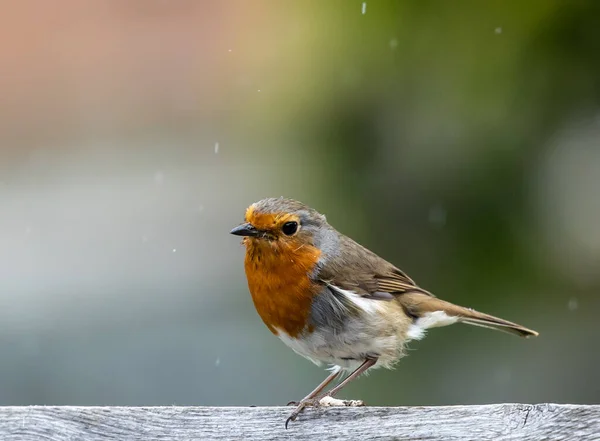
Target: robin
335 302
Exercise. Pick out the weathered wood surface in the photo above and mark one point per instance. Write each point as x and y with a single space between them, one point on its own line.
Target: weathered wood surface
496 422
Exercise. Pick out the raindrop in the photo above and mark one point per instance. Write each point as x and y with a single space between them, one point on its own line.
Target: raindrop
498 30
217 362
364 8
437 215
216 148
573 304
174 250
393 43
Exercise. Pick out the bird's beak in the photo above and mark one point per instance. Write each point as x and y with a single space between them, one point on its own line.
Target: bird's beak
245 230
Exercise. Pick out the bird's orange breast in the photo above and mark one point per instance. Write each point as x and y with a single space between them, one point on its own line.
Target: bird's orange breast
278 279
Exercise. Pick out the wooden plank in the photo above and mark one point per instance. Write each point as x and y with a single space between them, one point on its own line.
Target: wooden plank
496 422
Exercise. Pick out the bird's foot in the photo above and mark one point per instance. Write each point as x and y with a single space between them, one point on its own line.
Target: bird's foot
300 407
325 401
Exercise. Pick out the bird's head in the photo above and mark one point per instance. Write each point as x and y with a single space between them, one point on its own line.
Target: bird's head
279 222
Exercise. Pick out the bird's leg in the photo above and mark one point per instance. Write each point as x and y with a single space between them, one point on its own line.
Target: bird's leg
334 374
311 397
357 372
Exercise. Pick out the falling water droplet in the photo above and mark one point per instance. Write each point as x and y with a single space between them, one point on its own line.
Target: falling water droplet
573 304
437 215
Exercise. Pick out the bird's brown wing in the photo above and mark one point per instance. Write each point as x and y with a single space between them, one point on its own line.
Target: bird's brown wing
361 271
396 282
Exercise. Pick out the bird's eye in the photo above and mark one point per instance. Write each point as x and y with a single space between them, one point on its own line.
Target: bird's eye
289 228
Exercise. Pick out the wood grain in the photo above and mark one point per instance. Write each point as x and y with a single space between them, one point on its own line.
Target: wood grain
496 422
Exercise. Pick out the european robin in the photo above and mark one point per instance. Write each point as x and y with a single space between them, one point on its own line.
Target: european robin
335 302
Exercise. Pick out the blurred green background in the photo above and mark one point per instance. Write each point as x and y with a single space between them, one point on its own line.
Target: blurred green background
459 140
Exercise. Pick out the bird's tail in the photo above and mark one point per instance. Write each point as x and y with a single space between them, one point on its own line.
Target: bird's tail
431 312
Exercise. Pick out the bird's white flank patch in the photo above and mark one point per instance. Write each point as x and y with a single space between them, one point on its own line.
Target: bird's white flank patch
428 321
301 346
367 305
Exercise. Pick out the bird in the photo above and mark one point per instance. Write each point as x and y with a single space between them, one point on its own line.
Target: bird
335 302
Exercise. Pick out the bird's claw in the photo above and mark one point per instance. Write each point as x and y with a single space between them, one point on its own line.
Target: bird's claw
315 402
290 418
326 401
